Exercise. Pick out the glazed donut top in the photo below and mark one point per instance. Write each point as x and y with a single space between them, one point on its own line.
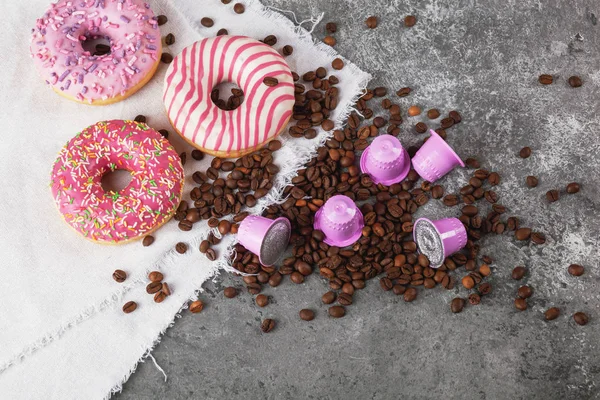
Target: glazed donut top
195 72
150 198
57 51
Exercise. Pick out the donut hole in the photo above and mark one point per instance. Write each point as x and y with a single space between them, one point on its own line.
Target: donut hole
96 45
115 181
227 96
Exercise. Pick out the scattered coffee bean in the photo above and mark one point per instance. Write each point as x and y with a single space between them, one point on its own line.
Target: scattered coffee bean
328 298
433 113
225 1
573 188
457 304
161 20
468 282
576 269
575 81
403 92
371 22
153 287
337 64
287 50
455 115
552 313
485 270
410 294
410 21
474 299
524 292
140 118
222 32
181 247
155 276
581 318
239 8
159 297
520 304
525 152
331 27
330 41
211 254
421 127
270 40
129 307
494 179
164 133
267 325
472 162
119 275
337 311
230 292
196 307
169 39
538 238
307 315
518 273
523 233
262 300
552 195
166 58
546 79
413 111
531 181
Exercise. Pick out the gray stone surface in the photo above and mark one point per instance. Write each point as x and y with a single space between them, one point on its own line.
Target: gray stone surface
483 59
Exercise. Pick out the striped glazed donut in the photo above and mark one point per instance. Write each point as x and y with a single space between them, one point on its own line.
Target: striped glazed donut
195 72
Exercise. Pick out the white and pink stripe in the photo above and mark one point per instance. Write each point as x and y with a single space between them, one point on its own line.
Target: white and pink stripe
244 61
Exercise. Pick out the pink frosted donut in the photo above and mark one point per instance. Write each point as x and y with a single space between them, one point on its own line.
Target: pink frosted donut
147 202
195 72
135 42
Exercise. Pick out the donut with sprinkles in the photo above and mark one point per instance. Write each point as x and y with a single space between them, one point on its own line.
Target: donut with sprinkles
150 199
96 77
248 63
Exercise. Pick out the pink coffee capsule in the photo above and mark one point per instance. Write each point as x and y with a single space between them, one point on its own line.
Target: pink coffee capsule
385 160
435 158
439 239
340 220
267 238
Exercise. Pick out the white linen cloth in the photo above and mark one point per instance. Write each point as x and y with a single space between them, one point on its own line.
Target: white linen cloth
62 332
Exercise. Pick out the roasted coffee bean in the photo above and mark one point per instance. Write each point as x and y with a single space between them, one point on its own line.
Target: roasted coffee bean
267 325
468 282
224 227
494 178
575 81
230 292
161 20
470 210
119 275
410 294
437 192
140 118
525 152
307 315
275 279
522 233
573 187
270 40
474 299
410 21
262 300
211 254
490 196
337 64
457 304
485 270
552 313
524 292
446 123
531 181
331 27
344 299
164 133
337 311
204 246
159 297
413 111
576 269
421 127
207 22
165 289
520 304
239 8
552 195
433 113
403 92
222 32
328 298
287 50
183 157
181 247
297 277
386 284
196 306
518 273
580 318
270 81
472 162
166 58
129 307
371 22
170 39
450 200
538 238
155 276
545 79
153 287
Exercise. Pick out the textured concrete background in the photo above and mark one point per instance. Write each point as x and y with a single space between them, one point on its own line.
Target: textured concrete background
483 59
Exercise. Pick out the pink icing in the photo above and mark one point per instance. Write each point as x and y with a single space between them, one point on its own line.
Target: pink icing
150 198
200 67
135 43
